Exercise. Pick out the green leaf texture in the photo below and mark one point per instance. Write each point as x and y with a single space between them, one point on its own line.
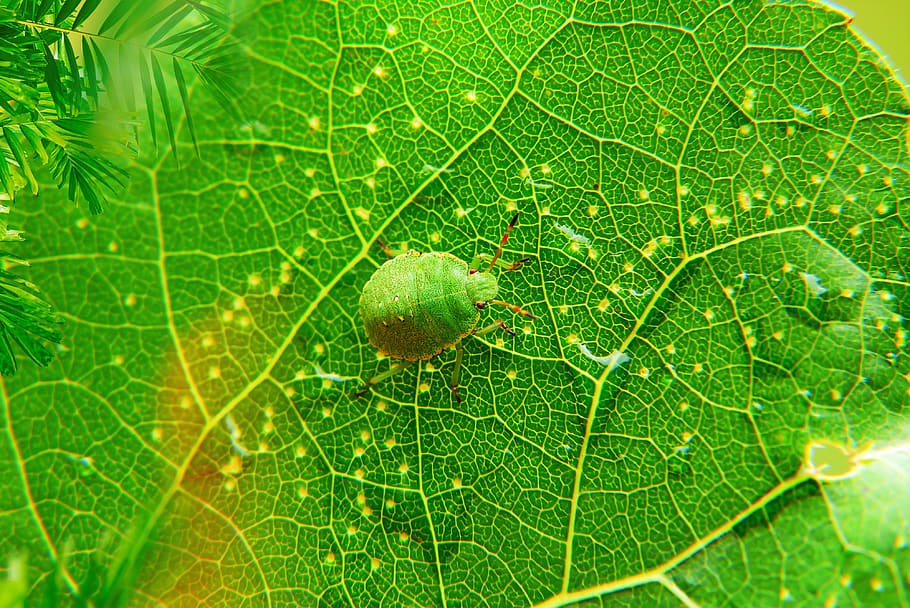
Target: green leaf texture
717 190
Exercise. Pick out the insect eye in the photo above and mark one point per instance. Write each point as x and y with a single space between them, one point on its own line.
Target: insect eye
480 305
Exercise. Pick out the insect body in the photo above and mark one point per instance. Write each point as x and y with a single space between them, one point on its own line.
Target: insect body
418 304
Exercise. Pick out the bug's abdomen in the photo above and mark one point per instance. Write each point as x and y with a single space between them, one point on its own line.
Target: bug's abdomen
416 305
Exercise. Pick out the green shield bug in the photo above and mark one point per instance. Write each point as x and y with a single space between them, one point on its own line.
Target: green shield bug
416 305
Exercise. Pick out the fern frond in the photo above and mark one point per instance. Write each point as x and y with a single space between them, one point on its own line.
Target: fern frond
26 320
70 90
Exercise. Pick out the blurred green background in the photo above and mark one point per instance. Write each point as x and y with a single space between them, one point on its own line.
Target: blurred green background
887 24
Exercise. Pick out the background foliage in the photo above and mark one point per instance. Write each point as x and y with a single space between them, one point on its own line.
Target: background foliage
737 177
70 75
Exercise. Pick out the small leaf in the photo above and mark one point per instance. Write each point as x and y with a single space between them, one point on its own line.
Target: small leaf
161 85
12 140
87 10
65 11
169 24
42 10
184 97
54 85
6 179
75 77
149 93
119 12
91 74
34 140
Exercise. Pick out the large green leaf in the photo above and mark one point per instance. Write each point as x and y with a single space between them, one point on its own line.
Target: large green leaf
719 191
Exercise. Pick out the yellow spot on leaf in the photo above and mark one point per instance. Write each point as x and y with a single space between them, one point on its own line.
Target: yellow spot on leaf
745 201
233 466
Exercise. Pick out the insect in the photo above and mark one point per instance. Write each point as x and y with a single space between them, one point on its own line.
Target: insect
416 305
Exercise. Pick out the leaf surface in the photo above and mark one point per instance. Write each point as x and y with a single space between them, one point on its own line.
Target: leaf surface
717 192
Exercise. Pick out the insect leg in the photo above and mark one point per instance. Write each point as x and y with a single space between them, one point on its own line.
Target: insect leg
398 367
502 243
385 248
515 308
498 324
517 265
456 372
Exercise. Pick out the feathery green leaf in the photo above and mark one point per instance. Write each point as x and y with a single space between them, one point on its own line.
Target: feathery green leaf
185 99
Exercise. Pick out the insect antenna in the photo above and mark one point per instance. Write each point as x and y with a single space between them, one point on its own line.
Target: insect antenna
514 308
502 243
